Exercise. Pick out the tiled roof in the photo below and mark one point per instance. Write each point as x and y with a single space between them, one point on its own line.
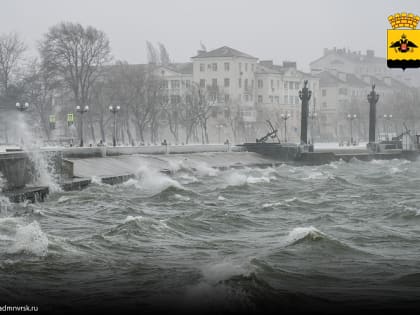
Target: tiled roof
224 51
184 67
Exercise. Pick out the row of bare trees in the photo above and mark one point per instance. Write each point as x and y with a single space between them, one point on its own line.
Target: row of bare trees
75 68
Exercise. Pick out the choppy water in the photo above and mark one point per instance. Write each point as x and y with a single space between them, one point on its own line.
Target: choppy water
253 239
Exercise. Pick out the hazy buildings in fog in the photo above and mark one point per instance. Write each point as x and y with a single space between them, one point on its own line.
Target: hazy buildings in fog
345 79
245 92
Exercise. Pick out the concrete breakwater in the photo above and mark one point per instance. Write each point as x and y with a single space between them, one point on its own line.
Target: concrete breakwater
29 174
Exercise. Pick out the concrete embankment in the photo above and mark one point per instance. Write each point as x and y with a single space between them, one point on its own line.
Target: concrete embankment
125 165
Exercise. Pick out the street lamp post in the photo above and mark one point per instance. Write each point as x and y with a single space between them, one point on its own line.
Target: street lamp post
386 130
312 117
114 110
219 126
22 107
285 117
81 111
351 117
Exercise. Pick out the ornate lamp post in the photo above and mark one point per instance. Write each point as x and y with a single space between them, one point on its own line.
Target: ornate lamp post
285 117
81 111
373 98
305 96
351 117
219 126
114 110
386 129
22 107
312 116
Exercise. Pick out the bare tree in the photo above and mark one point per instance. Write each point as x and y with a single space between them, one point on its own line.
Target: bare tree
11 51
76 55
152 54
163 55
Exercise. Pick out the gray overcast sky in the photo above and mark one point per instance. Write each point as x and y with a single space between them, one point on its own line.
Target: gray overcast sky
267 29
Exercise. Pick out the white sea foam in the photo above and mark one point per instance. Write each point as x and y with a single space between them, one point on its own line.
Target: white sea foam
222 271
187 179
97 181
221 198
131 218
151 181
269 205
63 199
300 233
204 169
181 197
29 239
240 179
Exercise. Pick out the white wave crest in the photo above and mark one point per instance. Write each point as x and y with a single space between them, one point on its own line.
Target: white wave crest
300 233
269 205
29 239
151 181
203 169
222 271
181 197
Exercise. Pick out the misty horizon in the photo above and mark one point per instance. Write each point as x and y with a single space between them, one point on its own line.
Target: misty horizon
267 30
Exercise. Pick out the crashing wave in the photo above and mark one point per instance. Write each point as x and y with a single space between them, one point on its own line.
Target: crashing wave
23 239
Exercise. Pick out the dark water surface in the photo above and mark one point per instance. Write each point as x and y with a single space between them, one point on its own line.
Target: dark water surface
341 236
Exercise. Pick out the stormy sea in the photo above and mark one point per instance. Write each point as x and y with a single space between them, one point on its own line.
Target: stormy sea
337 237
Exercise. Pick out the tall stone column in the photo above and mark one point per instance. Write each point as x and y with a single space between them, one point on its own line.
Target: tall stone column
373 98
305 96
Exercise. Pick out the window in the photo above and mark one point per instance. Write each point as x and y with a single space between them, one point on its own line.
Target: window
278 84
214 82
188 98
209 66
260 99
246 84
240 67
271 99
175 84
252 84
240 82
165 99
324 92
175 99
277 99
202 83
342 91
285 85
324 104
188 84
291 85
165 84
227 82
246 67
296 100
297 85
246 97
227 66
260 84
291 99
272 84
202 67
226 98
252 67
286 99
214 66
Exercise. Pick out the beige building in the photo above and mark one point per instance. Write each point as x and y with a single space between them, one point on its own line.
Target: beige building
278 94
